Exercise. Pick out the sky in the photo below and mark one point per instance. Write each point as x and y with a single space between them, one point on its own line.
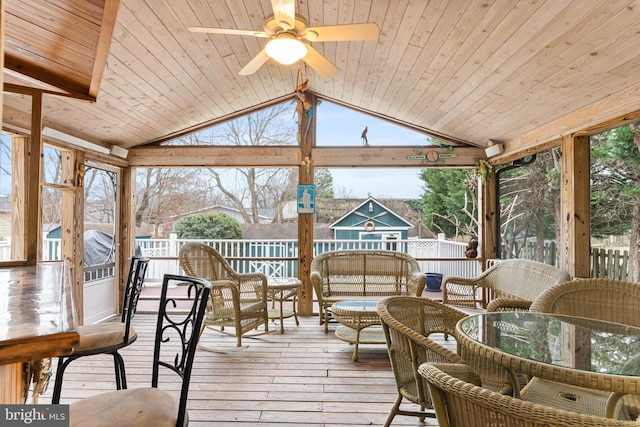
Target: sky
342 126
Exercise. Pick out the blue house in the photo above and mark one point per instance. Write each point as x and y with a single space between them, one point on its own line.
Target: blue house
371 220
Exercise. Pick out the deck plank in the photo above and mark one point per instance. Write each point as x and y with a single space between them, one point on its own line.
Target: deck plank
303 377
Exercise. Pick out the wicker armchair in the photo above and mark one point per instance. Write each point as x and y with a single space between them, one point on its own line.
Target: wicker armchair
508 285
604 299
236 300
460 403
407 322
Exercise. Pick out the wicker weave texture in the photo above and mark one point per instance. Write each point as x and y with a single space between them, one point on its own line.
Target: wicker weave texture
363 274
596 298
604 299
458 403
513 279
237 300
407 323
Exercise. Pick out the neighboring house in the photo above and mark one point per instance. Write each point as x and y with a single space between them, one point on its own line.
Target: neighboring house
329 211
371 220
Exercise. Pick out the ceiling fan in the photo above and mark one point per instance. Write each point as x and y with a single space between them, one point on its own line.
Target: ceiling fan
286 29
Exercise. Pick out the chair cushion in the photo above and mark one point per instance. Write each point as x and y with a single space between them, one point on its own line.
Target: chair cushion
102 335
143 407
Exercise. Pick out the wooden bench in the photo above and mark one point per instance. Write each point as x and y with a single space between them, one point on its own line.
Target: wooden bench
508 285
363 275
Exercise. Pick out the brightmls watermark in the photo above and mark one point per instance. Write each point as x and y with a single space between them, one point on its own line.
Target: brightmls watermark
34 415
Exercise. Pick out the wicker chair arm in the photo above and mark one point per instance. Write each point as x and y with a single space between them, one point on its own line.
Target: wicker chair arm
461 290
224 284
251 276
416 283
508 304
460 371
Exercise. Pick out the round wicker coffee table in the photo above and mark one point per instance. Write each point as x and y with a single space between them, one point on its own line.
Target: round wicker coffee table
355 316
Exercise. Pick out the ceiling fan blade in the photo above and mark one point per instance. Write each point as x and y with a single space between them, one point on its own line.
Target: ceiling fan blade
318 62
284 12
331 33
228 31
253 65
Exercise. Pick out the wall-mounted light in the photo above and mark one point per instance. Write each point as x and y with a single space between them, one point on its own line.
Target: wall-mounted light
119 151
370 207
494 148
78 142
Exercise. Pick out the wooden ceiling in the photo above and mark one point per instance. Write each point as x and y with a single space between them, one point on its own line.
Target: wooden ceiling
521 72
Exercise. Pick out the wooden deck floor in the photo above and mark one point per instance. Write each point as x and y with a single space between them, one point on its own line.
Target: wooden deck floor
303 377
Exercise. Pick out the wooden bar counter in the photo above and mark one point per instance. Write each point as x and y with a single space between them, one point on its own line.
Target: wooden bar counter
37 319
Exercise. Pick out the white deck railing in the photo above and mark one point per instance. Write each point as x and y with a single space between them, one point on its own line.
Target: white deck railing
278 258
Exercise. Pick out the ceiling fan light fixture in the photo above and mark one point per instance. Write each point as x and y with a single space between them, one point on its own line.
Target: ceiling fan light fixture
286 49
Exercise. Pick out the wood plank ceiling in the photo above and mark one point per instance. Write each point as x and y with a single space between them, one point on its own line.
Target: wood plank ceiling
474 70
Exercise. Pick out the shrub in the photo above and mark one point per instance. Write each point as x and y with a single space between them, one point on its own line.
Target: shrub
208 226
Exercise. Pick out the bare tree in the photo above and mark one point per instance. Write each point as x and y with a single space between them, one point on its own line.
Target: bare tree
165 192
249 189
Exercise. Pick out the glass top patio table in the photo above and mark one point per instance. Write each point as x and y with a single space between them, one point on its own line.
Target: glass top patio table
583 352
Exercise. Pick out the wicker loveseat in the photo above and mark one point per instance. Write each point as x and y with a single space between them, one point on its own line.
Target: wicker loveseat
510 284
363 275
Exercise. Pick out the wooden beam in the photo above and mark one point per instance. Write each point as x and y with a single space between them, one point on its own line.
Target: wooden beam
306 173
327 157
109 15
323 157
575 214
26 90
47 76
211 156
1 53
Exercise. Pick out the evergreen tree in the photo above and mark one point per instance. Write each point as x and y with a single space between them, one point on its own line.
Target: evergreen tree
616 189
448 204
324 184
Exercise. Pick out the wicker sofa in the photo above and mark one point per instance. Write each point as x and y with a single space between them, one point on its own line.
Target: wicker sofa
363 275
510 284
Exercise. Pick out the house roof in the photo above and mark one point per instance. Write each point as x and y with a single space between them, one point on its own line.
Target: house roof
518 72
358 217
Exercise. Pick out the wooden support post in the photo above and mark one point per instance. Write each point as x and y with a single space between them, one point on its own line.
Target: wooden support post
19 178
488 217
575 214
307 138
72 227
125 249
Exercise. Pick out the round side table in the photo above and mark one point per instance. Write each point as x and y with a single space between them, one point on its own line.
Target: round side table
281 290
